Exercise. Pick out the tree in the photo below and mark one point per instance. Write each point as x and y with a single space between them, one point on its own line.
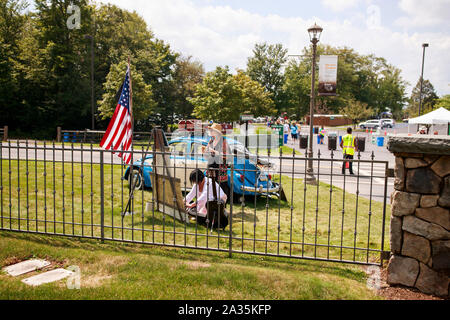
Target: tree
443 102
356 111
11 29
297 89
429 99
143 103
223 97
217 97
266 66
253 98
186 76
121 35
66 81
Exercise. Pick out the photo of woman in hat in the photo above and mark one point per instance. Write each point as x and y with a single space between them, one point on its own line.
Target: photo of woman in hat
216 152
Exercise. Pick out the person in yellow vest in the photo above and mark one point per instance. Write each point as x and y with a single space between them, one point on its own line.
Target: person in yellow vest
348 145
322 134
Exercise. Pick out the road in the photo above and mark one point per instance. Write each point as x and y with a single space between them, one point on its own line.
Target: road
369 177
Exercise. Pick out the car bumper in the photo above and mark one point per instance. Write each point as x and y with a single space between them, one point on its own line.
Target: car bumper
261 189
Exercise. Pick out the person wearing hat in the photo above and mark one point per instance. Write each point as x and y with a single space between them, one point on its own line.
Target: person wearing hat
216 153
423 130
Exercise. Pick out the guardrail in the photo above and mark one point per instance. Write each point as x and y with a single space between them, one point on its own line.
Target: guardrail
92 136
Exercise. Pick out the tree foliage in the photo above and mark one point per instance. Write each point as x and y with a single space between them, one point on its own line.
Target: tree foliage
45 74
223 97
443 102
265 67
142 104
357 110
365 78
429 99
45 67
187 74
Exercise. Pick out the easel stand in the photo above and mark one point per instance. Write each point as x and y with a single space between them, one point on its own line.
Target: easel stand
167 190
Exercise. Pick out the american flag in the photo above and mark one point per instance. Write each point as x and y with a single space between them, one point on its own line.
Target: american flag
119 135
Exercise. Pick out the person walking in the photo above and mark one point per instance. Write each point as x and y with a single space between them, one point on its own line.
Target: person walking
348 145
294 131
286 129
322 134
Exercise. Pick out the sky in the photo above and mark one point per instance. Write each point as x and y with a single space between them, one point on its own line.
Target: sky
224 32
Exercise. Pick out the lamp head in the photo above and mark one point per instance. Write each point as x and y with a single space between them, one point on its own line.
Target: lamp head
314 32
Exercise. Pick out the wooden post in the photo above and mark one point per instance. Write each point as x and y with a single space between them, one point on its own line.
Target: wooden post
58 134
5 133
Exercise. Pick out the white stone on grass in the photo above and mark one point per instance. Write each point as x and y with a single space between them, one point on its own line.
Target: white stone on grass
48 277
24 267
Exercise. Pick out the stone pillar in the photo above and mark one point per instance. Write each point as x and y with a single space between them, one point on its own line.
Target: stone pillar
420 220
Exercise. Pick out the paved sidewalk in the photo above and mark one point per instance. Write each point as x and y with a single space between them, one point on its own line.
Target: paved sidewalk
380 153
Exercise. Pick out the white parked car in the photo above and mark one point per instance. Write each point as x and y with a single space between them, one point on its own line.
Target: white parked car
371 124
387 123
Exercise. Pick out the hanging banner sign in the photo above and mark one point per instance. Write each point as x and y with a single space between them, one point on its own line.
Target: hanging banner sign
328 75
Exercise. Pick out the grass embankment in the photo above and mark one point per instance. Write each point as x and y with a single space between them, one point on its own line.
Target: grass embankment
133 271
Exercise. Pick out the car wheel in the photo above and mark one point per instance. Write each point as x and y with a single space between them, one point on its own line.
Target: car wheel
363 127
138 179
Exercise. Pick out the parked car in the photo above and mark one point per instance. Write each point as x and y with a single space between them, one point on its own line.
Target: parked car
387 123
371 124
250 177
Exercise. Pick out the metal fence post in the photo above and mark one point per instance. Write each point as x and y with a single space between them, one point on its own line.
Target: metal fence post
102 197
5 133
230 218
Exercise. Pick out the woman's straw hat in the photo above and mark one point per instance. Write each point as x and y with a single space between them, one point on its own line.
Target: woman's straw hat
216 127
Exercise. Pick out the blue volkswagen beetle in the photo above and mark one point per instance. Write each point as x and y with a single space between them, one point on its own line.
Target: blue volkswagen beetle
250 174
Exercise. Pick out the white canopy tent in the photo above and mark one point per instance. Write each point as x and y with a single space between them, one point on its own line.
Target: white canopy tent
440 117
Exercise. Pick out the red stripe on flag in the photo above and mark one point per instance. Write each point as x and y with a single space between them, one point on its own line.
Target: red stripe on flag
114 124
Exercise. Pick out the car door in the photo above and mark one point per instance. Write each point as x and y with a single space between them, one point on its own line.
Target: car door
179 155
195 160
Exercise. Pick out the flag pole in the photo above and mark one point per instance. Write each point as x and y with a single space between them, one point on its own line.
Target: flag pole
132 185
131 102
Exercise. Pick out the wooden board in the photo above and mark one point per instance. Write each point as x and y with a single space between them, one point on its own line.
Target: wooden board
166 201
166 188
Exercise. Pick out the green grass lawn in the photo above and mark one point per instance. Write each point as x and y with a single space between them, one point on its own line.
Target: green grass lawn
320 222
274 152
133 271
66 200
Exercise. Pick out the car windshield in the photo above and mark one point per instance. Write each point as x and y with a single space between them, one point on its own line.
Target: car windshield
178 148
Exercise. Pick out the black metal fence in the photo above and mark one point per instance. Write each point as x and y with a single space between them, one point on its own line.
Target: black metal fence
83 192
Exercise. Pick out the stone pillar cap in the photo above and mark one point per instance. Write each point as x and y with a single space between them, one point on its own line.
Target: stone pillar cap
416 143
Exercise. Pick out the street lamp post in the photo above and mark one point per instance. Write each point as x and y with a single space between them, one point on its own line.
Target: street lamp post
92 80
314 35
425 45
